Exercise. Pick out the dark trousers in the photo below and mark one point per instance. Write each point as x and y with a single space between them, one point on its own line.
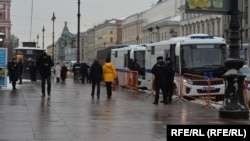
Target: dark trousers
160 86
170 87
109 89
97 84
20 77
85 77
45 79
33 77
57 79
63 79
13 84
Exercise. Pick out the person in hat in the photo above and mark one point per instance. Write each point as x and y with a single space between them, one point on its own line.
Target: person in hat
159 70
170 79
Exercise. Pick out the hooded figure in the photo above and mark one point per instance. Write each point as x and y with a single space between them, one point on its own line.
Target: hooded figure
109 75
109 71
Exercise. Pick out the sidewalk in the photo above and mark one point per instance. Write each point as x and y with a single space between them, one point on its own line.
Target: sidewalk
72 115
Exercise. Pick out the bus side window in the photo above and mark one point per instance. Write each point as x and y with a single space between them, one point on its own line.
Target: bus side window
116 53
176 63
152 50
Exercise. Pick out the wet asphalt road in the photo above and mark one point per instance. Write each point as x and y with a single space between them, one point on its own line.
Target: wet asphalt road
70 114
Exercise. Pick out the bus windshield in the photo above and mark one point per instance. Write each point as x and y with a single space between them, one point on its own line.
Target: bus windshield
195 56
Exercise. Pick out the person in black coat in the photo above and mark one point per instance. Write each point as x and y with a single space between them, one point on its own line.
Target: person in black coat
44 65
159 71
96 77
64 71
170 79
20 71
32 71
13 72
84 72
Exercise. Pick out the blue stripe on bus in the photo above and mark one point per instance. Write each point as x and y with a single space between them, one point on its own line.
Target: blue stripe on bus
148 70
121 70
125 70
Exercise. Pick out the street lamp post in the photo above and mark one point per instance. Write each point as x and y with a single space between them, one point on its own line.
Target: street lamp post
43 36
78 33
234 106
53 34
37 40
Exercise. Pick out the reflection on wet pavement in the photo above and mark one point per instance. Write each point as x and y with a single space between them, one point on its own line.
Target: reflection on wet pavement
70 114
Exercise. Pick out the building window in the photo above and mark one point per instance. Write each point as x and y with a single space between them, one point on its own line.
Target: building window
203 27
194 30
218 25
190 29
246 33
198 27
208 28
1 16
111 40
246 15
213 28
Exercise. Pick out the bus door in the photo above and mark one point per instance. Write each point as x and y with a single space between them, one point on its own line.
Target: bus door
166 54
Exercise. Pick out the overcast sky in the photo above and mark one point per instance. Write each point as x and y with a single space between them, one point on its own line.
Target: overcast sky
92 12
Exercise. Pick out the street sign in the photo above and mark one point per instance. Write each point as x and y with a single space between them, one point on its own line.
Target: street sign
3 69
207 6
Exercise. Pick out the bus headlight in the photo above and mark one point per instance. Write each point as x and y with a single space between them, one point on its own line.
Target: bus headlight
189 81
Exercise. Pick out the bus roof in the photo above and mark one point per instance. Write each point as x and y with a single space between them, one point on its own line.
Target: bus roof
28 48
198 38
136 47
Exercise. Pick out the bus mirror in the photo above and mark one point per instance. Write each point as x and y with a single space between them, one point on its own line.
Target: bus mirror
177 49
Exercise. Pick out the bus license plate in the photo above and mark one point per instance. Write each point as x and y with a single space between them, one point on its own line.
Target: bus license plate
206 88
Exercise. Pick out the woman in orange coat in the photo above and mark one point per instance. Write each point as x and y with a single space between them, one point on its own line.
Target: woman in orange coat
109 75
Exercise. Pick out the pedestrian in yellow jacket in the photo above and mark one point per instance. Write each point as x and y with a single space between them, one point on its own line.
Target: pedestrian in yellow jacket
109 75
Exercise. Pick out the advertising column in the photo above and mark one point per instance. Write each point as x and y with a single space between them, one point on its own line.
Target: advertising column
3 67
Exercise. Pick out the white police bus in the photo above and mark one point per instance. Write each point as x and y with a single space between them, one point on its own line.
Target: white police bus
196 54
122 59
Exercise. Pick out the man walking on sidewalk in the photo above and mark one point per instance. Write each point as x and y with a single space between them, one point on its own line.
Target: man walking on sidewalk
44 65
96 77
20 71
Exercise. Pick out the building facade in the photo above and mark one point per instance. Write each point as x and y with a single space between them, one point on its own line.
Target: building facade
101 36
165 19
5 26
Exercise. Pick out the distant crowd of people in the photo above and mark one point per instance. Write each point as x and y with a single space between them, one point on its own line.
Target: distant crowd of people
95 74
163 72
